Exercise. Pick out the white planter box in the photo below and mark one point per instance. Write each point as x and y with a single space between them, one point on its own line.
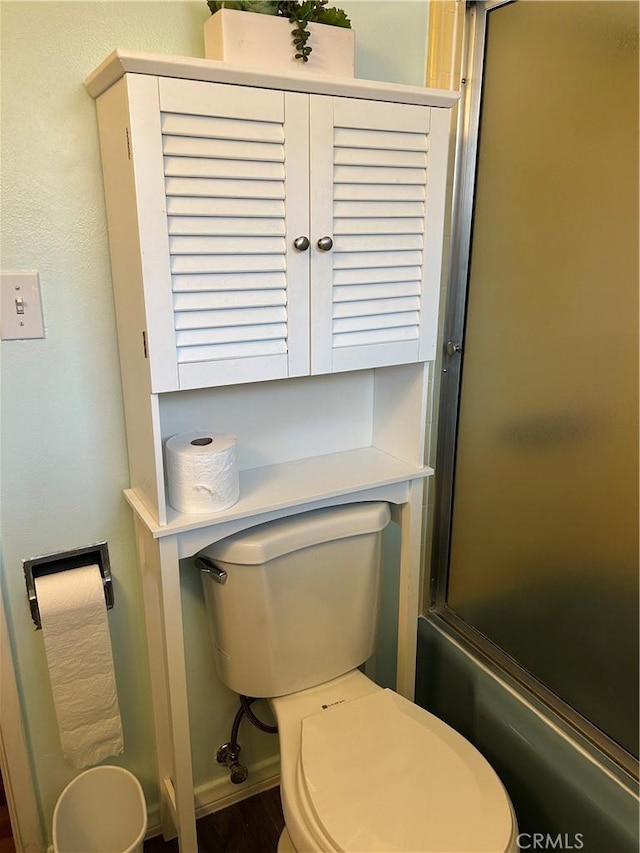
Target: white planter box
259 41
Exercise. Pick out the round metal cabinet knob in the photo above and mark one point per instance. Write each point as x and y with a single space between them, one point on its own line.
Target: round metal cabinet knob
325 243
301 243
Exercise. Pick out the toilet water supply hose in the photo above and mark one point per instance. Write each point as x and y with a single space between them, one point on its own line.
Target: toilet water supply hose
229 752
245 705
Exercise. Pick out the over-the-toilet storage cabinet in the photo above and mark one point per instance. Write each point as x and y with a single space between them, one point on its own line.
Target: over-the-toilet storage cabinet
276 247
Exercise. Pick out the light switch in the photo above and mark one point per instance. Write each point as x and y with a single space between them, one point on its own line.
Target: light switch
20 306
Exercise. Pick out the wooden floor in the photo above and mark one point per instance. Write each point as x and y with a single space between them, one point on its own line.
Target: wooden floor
251 826
6 838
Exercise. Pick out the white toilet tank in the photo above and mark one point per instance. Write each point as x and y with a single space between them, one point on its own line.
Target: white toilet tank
299 605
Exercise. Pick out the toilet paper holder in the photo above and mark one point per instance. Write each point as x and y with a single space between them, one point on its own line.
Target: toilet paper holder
48 564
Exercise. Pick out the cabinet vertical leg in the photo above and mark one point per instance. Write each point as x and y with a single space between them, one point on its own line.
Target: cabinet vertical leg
163 616
410 519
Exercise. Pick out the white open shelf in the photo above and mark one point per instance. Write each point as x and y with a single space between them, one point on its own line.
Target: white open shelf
289 484
300 442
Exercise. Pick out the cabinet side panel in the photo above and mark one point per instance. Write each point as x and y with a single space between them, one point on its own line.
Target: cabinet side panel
434 232
399 411
148 169
126 271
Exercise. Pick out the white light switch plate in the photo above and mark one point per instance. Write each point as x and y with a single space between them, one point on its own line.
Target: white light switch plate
20 306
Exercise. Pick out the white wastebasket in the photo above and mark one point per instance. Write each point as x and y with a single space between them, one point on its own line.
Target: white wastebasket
102 810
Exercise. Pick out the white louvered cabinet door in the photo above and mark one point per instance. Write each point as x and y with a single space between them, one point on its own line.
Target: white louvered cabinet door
235 169
378 181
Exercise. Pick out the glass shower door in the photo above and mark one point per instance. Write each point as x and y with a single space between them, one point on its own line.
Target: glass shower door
543 536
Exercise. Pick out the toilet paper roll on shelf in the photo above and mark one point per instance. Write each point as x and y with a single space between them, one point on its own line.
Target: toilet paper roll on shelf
202 471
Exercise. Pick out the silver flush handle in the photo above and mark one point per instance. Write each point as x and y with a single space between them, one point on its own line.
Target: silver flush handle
218 575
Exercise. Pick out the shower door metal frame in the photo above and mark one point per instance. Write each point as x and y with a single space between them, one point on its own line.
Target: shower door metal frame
619 761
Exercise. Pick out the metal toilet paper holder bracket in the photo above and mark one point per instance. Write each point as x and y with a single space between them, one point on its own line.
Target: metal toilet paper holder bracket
49 564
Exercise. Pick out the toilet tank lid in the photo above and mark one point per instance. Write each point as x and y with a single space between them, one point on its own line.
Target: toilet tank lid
265 542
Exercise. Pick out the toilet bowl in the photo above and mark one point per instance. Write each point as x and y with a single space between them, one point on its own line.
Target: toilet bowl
293 606
363 769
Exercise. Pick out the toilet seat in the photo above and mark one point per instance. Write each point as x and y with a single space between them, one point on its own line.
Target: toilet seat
410 781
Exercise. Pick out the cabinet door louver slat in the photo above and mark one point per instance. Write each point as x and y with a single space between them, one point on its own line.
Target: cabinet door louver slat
226 245
390 140
225 190
217 226
378 175
230 317
240 207
383 275
377 242
232 334
224 300
380 157
243 349
370 322
377 336
375 209
378 192
226 263
190 146
377 225
363 260
366 307
234 282
378 267
381 292
209 167
221 188
221 128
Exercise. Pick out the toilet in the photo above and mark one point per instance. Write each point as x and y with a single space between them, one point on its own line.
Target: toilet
293 609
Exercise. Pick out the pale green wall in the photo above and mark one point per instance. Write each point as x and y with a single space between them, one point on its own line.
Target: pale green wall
64 461
391 39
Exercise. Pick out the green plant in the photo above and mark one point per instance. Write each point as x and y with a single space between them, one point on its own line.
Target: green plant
300 13
262 7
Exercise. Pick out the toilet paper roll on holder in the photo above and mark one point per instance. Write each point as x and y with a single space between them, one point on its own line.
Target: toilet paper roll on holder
48 564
